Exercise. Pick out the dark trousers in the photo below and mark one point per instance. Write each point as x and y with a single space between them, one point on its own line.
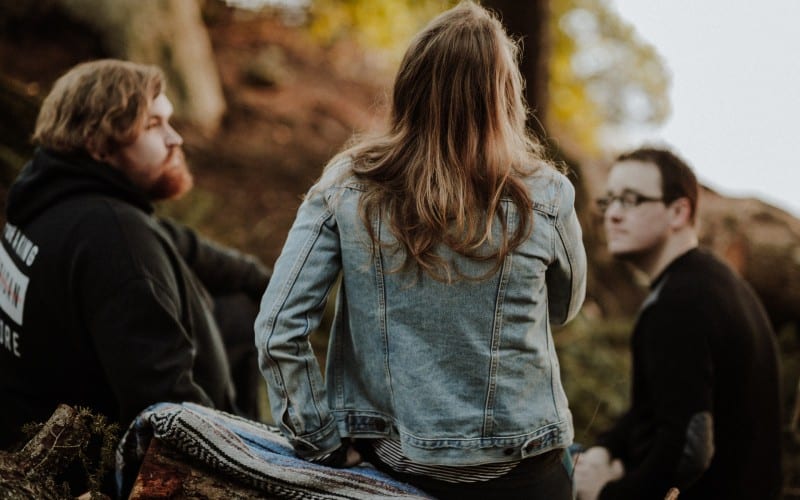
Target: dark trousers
542 477
235 315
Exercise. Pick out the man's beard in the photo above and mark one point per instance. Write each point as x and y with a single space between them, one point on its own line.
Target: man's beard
175 181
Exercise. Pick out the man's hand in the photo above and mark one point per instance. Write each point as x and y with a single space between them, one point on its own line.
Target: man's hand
593 469
353 457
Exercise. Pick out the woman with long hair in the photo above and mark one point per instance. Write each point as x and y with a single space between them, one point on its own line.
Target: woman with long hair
458 246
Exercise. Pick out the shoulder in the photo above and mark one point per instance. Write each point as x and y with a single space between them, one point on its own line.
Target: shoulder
338 174
698 275
550 190
116 237
696 285
338 183
111 221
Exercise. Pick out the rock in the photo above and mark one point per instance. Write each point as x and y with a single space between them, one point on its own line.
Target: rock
762 243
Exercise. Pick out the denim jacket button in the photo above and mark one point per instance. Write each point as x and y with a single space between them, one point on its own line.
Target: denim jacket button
508 451
380 425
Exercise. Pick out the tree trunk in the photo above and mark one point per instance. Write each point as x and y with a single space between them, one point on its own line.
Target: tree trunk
529 22
170 34
16 125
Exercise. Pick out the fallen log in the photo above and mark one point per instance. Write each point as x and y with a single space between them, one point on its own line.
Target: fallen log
166 473
64 440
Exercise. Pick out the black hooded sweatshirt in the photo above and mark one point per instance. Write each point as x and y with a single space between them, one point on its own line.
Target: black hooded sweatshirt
102 303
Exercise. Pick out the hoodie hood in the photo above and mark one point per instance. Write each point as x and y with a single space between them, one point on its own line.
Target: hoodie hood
52 177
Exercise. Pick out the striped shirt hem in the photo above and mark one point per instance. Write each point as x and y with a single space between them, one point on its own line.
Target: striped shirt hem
390 453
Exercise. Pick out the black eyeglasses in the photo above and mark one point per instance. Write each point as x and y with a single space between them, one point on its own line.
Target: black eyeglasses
628 199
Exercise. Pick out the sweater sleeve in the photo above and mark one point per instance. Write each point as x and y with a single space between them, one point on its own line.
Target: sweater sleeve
678 380
615 439
221 269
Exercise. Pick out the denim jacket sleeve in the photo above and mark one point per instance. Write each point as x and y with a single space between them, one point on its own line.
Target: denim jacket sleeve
566 275
291 309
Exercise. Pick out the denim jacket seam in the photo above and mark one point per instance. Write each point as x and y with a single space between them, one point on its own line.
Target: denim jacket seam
434 443
570 262
544 208
497 327
285 293
569 253
381 292
559 240
555 238
336 350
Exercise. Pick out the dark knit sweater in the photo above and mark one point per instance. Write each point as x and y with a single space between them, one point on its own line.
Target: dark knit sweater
705 413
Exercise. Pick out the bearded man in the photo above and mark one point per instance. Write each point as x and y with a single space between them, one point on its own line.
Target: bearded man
103 304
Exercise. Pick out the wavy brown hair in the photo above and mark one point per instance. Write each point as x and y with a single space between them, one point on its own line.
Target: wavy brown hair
97 106
457 144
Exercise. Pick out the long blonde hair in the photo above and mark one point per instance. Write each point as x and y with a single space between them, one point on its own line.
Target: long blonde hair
457 143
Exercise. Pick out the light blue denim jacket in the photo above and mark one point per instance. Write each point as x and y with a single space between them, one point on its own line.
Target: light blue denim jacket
461 373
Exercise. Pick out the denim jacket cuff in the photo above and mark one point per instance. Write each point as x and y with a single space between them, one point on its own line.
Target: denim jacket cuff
318 443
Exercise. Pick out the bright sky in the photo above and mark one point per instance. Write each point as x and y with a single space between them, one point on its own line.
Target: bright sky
735 90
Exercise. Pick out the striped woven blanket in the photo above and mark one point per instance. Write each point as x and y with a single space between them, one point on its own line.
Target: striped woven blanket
252 453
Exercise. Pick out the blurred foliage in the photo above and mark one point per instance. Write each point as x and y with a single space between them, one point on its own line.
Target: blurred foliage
193 209
595 370
387 25
602 74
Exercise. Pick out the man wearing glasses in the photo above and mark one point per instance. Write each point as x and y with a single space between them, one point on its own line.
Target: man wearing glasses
705 412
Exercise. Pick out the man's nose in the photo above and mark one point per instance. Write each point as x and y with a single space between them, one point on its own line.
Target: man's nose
614 211
173 137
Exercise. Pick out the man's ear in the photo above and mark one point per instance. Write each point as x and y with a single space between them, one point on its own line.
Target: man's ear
680 213
96 156
95 151
101 155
